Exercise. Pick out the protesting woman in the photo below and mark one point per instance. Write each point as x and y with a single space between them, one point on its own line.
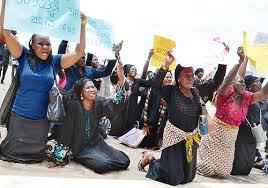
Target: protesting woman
80 132
28 128
177 164
216 152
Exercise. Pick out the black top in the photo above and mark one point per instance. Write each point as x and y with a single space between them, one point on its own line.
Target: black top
73 132
210 86
253 116
182 112
132 112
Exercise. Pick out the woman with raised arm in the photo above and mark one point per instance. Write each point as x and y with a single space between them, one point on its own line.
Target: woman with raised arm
216 152
28 128
177 164
129 116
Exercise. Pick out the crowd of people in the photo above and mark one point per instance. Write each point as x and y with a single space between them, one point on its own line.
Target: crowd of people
111 99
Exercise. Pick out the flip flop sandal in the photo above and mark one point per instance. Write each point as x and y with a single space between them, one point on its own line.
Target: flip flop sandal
141 166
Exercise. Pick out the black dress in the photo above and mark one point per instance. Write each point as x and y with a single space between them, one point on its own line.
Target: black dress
245 145
153 113
172 168
125 120
80 132
153 120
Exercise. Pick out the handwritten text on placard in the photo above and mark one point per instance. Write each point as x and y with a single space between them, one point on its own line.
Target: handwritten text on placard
57 18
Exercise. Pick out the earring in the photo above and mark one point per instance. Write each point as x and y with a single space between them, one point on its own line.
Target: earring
82 98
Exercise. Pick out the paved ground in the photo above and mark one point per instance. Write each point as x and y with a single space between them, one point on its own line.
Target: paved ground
74 175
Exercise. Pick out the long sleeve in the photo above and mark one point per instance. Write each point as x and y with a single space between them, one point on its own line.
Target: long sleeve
63 133
209 87
145 83
103 71
110 109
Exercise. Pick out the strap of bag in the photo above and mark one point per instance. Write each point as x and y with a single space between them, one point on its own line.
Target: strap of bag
54 73
55 79
250 123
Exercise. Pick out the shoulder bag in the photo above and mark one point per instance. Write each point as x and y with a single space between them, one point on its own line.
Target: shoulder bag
55 109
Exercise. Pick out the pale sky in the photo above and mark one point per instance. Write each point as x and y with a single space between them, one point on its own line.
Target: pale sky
192 24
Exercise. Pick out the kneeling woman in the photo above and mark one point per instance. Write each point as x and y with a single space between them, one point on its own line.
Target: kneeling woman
80 131
216 151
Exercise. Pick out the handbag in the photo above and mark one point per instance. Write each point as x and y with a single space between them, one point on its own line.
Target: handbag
206 125
6 107
258 131
55 109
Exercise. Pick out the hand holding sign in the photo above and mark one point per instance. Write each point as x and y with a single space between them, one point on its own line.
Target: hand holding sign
151 53
161 47
169 59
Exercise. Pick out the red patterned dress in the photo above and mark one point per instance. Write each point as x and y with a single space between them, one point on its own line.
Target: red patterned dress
215 155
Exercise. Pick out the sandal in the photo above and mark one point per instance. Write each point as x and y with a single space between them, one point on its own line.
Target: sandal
144 161
141 166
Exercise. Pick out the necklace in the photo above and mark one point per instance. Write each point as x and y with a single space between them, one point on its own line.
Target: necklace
190 95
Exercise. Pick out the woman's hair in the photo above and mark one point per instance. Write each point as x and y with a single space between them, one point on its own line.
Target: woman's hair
31 41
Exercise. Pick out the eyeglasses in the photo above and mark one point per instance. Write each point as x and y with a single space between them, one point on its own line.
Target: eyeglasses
42 44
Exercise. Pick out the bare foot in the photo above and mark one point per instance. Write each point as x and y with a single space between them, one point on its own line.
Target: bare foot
51 164
146 159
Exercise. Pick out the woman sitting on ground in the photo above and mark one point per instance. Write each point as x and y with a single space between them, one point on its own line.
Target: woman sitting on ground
81 134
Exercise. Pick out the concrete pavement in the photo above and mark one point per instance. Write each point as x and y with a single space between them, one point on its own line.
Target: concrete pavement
14 175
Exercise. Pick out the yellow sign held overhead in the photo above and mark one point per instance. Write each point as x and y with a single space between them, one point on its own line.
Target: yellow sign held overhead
161 47
257 53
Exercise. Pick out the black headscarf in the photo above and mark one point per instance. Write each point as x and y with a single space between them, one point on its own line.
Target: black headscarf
62 47
126 69
78 87
197 71
32 58
89 59
249 79
177 73
114 77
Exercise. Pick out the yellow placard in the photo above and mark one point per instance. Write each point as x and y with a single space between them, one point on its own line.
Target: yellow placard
258 55
161 46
